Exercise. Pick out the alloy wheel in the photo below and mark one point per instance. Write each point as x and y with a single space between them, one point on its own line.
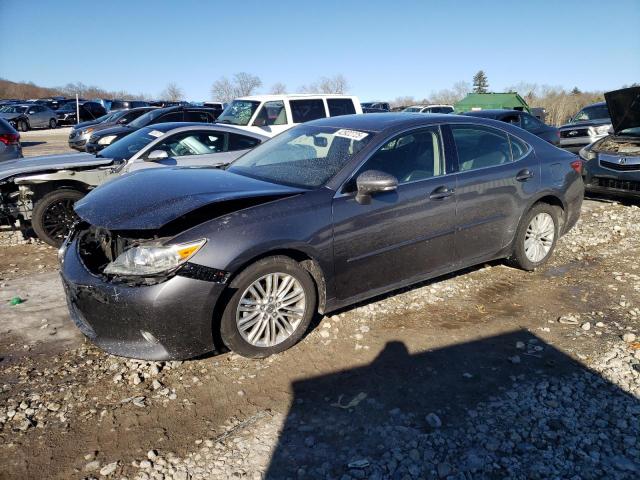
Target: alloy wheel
58 218
270 309
539 237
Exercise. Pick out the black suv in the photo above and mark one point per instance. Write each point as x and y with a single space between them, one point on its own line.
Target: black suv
88 111
106 137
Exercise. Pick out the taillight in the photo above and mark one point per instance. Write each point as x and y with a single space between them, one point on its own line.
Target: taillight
577 166
10 138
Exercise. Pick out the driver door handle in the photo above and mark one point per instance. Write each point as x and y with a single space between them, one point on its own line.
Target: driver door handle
524 175
441 193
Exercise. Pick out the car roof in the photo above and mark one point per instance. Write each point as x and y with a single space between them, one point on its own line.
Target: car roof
491 112
293 96
170 126
378 122
597 104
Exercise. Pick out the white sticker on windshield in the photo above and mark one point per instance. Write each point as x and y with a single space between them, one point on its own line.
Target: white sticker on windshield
156 133
352 134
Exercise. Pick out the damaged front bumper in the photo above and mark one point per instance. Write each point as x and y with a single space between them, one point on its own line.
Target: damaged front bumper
172 319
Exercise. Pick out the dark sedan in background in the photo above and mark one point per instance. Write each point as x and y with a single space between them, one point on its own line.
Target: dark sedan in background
67 113
324 215
523 120
81 133
105 137
612 164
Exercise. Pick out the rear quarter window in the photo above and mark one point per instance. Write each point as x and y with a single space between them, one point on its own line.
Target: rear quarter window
340 106
519 148
306 110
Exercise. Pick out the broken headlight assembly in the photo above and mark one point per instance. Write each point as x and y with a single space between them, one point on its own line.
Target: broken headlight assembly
153 259
586 153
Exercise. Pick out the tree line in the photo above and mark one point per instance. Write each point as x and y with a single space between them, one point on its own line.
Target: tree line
559 102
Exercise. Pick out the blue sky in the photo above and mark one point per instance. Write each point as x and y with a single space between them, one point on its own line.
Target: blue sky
384 48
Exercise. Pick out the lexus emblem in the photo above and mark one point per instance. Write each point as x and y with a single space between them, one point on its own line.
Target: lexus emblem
573 133
622 161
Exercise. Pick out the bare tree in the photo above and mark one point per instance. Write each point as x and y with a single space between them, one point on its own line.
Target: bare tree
246 84
405 101
172 93
278 88
243 84
336 84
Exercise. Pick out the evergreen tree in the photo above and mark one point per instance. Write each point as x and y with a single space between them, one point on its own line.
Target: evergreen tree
575 91
480 82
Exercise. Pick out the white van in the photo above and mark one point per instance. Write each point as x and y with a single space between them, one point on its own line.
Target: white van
272 114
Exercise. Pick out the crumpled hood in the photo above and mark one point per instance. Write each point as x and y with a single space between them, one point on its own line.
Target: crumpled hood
10 116
149 199
25 166
624 108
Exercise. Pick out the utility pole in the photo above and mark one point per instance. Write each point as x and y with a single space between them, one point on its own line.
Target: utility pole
77 110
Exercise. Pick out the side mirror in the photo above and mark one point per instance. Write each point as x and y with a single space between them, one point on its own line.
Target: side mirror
157 155
373 181
31 112
122 121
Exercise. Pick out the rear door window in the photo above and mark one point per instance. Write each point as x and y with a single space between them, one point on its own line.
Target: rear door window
340 106
530 123
197 116
480 147
307 110
241 142
176 116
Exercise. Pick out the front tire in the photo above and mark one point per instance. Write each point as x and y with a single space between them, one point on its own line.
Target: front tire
536 237
53 215
271 307
53 123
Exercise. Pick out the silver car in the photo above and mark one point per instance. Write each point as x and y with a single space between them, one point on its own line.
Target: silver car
42 190
27 116
10 147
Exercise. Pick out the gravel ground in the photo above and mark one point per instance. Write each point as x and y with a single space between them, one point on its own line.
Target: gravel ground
492 373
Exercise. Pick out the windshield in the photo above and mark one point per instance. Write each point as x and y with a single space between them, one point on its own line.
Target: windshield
13 109
71 106
305 156
413 109
595 112
105 118
127 147
145 119
238 112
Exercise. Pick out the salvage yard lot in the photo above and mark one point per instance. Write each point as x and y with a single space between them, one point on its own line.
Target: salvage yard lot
460 377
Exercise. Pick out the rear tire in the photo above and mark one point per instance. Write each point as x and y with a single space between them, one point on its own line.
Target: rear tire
53 215
536 237
271 306
53 123
22 126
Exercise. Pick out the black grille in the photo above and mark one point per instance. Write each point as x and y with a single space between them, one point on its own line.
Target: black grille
620 167
581 132
627 185
73 134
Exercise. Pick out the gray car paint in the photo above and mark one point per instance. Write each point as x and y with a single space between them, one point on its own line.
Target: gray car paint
394 241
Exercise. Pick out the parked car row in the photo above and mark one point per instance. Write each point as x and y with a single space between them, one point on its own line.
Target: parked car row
261 235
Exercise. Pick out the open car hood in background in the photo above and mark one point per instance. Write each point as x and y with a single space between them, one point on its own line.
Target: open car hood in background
624 108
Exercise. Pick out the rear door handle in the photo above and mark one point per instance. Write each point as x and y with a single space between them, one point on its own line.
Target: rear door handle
441 193
524 175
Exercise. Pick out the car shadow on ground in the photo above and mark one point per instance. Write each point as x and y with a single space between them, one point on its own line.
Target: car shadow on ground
31 144
510 406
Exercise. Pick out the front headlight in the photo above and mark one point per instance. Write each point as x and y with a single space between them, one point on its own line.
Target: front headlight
587 154
106 140
602 130
153 259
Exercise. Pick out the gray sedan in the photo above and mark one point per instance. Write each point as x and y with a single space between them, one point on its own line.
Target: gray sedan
28 116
